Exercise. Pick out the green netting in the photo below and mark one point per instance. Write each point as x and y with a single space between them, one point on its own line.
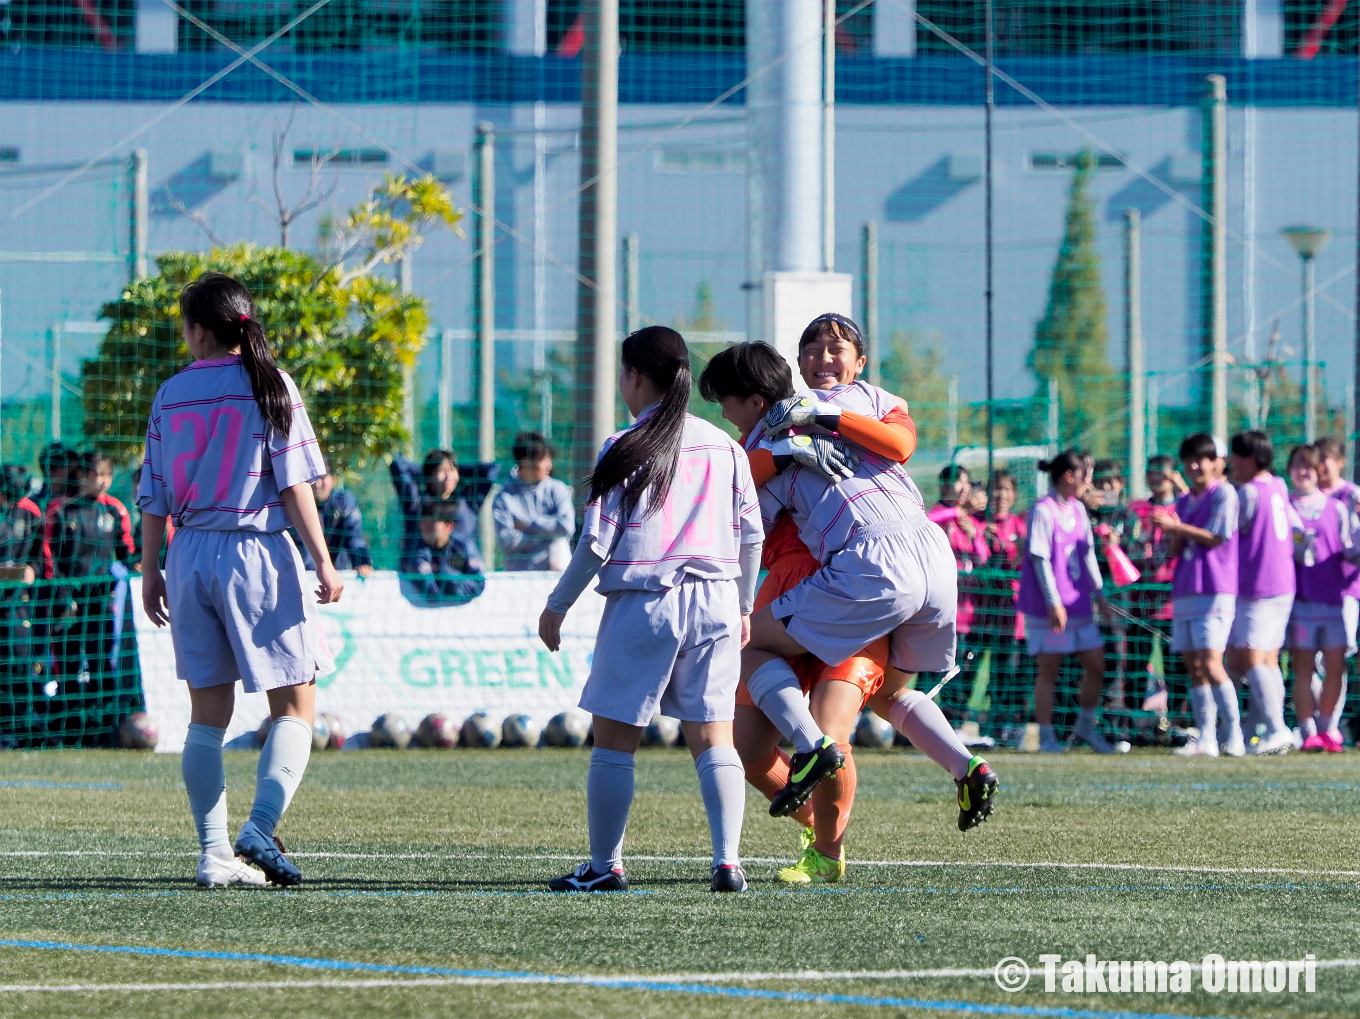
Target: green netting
69 672
142 141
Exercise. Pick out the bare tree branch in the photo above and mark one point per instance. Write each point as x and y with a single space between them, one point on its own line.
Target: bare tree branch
283 214
197 218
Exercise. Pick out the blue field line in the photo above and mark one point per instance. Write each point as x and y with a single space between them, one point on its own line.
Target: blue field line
631 984
36 783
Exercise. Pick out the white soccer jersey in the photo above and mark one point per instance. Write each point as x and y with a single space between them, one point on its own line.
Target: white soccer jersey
709 513
211 460
828 516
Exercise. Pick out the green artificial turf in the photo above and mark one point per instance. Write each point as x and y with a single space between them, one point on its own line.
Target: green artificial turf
438 860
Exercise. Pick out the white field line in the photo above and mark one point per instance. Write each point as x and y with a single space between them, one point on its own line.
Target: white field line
549 857
815 976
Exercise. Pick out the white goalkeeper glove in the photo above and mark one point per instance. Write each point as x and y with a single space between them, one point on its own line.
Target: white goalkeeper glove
802 412
824 454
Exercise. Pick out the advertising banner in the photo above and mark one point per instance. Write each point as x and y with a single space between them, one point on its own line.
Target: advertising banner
395 656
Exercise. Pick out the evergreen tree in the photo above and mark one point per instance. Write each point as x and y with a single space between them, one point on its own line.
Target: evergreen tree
1070 340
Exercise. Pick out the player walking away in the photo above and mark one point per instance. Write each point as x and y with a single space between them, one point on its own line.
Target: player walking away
1318 622
1269 528
883 570
1332 480
1059 578
1203 529
230 457
672 528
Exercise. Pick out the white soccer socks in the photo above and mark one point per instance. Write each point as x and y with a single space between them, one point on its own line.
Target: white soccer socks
1267 698
920 719
722 781
775 689
1225 699
205 780
1206 713
282 763
609 797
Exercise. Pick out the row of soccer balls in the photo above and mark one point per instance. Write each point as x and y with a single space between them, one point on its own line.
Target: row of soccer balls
566 729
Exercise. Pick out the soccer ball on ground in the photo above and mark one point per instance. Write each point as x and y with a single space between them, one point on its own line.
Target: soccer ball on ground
520 731
663 731
437 731
568 729
390 731
138 732
479 731
872 731
321 733
335 730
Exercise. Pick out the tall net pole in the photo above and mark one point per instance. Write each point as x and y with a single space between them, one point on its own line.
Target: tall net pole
987 124
596 291
1214 265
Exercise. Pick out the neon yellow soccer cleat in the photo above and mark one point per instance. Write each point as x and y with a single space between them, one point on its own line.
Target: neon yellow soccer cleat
814 868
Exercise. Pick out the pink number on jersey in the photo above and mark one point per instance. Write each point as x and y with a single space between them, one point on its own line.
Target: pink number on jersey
227 466
689 470
183 489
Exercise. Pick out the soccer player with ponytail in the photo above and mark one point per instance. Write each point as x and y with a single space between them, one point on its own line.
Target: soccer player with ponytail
673 531
230 458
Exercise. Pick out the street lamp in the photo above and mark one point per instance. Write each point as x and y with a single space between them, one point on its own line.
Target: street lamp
1308 242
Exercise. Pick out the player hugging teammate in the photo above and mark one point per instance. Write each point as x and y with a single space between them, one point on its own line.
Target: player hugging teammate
860 596
861 593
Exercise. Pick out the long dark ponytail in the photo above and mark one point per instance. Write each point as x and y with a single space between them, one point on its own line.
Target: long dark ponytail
644 458
223 306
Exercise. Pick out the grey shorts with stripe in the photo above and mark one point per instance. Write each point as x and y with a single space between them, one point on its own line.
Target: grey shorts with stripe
239 610
900 580
674 652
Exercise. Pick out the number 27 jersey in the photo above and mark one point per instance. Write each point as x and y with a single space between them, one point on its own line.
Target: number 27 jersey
212 462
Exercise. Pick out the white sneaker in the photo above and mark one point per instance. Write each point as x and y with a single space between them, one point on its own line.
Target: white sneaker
1281 743
1235 748
1093 739
1197 748
219 872
1052 746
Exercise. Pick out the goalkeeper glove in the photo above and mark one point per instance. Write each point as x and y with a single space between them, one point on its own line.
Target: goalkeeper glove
802 412
821 453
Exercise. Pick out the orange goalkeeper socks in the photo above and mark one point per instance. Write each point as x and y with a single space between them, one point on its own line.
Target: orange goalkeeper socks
832 801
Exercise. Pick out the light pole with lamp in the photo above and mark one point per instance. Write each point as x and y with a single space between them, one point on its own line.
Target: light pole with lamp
1308 242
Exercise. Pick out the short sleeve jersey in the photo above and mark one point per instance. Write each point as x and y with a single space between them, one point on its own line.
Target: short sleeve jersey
828 516
709 513
212 461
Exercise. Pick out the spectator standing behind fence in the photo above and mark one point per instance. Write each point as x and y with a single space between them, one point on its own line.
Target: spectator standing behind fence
1318 622
443 568
437 479
89 539
1000 625
1203 529
54 462
1057 583
21 530
954 514
1332 480
533 512
1269 528
342 524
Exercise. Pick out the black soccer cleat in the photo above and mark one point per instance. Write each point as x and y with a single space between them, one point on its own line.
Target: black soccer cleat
585 879
806 770
728 877
266 852
976 793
